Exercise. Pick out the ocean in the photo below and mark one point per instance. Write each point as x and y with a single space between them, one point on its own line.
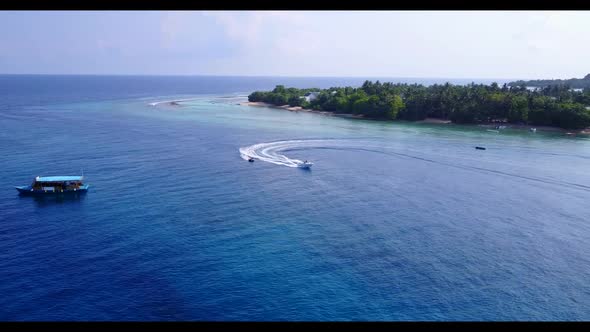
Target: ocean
394 221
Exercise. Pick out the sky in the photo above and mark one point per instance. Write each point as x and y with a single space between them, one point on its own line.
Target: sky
429 44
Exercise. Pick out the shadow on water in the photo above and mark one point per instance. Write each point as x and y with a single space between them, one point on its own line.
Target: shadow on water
53 199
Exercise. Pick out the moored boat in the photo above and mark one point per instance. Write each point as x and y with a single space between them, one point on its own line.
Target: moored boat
54 185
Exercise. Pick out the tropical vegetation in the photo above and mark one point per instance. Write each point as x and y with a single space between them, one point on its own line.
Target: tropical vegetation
574 83
554 105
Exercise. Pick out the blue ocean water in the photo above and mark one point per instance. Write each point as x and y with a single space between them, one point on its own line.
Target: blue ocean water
395 221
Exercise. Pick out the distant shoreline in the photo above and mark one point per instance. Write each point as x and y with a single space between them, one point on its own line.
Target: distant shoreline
437 121
300 109
427 120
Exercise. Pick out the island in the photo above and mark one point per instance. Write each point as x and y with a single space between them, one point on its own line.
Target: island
557 106
573 83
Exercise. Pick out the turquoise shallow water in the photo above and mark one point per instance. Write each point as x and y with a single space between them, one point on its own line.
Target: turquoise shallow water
395 221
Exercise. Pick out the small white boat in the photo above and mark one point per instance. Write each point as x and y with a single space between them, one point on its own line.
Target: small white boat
305 164
534 130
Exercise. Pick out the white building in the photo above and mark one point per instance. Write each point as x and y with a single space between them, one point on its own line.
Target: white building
311 96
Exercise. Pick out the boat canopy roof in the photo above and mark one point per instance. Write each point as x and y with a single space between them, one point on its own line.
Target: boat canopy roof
58 178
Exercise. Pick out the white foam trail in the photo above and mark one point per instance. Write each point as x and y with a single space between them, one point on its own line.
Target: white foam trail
271 152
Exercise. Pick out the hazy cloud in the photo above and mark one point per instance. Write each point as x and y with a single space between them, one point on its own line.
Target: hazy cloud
470 44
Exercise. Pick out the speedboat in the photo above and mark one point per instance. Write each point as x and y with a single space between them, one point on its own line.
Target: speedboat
54 185
305 164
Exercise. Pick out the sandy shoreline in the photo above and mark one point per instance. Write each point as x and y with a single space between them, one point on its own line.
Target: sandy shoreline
300 109
525 127
434 120
427 120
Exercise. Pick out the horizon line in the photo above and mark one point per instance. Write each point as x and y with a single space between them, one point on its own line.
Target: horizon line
270 76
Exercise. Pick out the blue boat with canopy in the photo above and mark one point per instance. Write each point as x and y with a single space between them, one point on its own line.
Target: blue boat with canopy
54 185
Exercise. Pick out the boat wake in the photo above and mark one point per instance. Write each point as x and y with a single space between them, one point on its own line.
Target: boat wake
272 152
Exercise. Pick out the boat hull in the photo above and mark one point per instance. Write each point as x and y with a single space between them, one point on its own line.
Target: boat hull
28 191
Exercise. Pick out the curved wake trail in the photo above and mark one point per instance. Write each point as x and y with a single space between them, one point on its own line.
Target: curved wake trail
272 152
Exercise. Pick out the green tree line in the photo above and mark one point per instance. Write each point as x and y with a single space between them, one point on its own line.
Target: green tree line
575 83
473 103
